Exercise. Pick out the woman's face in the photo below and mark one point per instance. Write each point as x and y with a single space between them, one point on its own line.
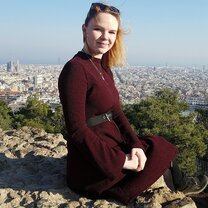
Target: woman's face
100 34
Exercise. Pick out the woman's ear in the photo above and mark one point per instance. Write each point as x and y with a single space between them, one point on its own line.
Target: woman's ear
83 28
84 32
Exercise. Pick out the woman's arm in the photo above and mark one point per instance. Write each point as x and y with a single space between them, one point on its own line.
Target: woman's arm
73 86
124 126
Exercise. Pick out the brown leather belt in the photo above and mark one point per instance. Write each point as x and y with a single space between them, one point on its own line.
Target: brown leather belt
95 120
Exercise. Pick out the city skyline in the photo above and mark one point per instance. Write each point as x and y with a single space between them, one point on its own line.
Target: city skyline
161 32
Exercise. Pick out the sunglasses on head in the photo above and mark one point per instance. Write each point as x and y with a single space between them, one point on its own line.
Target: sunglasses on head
104 7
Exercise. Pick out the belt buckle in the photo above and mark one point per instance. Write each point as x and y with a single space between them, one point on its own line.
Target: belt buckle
107 117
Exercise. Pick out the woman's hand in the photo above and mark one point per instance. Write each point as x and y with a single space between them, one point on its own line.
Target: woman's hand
136 160
130 163
139 153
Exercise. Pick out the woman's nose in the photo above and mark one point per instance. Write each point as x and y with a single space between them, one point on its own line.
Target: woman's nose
105 35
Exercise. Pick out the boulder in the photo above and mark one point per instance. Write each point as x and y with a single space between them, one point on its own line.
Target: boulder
33 174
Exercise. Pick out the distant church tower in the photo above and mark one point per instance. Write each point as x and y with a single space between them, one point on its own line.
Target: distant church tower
10 66
13 66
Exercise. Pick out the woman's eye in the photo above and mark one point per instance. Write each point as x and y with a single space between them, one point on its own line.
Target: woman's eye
97 29
112 32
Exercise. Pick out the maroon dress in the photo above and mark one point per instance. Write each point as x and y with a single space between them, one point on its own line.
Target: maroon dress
96 155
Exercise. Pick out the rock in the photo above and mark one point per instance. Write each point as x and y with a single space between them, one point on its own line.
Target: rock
33 174
3 196
182 203
73 204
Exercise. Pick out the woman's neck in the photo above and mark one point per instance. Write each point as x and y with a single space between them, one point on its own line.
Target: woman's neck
87 51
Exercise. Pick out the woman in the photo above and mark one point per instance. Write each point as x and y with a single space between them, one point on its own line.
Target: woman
105 156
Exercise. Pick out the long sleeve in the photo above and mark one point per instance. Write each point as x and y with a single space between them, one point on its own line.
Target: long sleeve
124 126
131 139
73 89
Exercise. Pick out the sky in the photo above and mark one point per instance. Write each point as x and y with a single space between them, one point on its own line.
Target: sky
160 32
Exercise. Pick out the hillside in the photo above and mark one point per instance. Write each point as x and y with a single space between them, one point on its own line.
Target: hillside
32 174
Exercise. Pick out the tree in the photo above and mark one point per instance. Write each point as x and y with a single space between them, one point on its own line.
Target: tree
57 120
38 114
5 116
162 115
202 117
35 114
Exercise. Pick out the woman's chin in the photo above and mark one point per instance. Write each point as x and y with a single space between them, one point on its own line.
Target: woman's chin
102 50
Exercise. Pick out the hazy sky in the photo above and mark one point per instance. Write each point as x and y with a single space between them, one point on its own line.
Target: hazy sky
173 32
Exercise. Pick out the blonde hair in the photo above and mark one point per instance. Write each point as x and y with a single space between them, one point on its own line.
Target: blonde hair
116 55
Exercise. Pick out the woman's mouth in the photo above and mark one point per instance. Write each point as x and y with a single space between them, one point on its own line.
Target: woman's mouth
102 44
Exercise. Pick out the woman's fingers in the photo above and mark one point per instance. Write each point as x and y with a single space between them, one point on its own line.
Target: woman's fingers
139 153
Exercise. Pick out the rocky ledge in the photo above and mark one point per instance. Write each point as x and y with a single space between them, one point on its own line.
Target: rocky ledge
32 174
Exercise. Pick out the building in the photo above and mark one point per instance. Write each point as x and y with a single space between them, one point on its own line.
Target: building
197 102
38 81
10 66
9 96
13 66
